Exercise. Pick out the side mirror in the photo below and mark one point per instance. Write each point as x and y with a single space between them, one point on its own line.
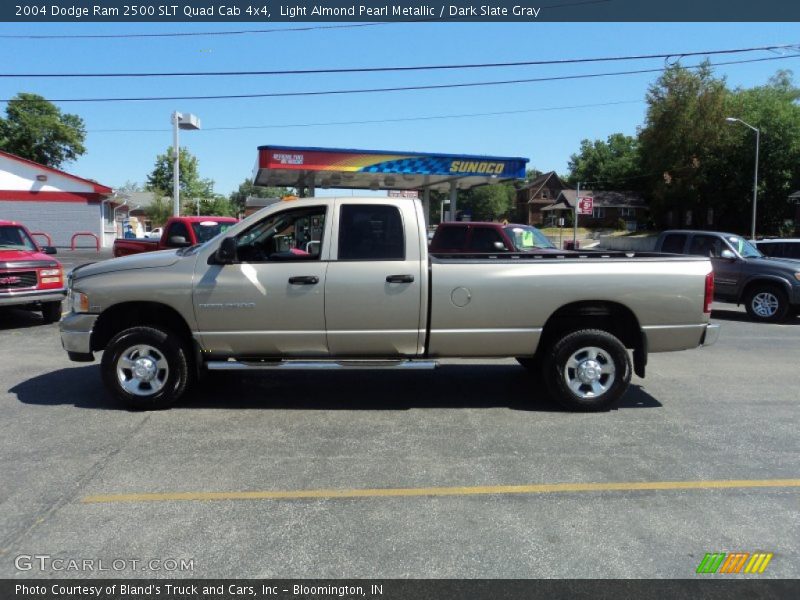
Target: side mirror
727 254
178 241
500 246
226 253
49 250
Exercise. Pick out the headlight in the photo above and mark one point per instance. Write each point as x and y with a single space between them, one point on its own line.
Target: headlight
79 302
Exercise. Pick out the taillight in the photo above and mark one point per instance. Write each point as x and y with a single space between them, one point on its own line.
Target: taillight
709 295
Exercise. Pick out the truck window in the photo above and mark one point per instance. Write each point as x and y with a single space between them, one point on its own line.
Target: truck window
370 232
288 235
706 245
451 238
483 239
178 228
673 243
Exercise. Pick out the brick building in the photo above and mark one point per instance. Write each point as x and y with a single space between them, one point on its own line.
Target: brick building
537 194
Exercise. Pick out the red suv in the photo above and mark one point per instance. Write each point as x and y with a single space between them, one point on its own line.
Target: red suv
29 278
467 237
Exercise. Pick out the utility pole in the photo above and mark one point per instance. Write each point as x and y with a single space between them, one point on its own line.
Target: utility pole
575 217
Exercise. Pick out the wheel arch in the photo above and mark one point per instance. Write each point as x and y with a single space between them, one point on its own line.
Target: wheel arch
124 315
757 280
612 317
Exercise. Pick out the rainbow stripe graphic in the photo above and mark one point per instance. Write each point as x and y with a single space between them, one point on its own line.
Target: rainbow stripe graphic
732 562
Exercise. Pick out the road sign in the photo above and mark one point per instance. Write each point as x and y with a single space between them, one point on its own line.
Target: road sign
585 205
403 194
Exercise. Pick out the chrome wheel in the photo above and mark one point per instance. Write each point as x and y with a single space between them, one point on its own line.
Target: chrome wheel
142 370
765 304
589 372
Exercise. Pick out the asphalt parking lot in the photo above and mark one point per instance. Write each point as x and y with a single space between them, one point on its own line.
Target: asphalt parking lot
427 452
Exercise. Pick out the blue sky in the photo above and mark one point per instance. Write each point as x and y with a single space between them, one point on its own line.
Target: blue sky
546 137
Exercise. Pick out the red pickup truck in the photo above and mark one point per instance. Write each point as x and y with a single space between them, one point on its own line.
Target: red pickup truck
471 237
178 232
29 278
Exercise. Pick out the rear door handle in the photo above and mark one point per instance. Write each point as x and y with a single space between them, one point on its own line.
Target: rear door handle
304 280
399 279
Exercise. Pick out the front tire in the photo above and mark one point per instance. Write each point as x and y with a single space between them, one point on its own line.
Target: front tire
767 303
146 368
587 370
51 312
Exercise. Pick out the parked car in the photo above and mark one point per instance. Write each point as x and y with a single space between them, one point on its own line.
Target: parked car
179 232
768 287
155 234
29 277
465 237
780 248
332 283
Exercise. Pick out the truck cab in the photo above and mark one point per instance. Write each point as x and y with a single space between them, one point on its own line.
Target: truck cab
29 276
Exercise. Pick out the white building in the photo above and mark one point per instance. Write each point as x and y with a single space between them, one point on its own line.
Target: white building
54 203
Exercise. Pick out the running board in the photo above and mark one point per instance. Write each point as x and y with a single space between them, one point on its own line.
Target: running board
235 365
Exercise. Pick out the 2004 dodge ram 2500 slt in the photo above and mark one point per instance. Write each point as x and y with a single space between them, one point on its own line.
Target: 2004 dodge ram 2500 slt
348 282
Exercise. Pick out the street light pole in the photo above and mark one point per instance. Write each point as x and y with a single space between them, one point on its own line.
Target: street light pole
176 165
755 176
179 121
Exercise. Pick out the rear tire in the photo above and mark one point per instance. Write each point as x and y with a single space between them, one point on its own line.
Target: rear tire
587 370
51 312
146 368
767 303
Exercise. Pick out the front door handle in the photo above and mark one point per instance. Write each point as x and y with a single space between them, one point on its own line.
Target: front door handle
399 279
304 280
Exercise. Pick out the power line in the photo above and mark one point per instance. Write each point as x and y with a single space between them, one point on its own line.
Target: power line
404 88
375 121
492 65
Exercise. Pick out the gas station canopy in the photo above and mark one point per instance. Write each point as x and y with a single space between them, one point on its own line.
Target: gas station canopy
310 168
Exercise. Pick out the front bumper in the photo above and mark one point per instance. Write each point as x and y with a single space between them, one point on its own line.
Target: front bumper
32 297
710 335
76 333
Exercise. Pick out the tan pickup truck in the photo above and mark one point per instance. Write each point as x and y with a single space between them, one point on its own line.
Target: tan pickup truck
343 283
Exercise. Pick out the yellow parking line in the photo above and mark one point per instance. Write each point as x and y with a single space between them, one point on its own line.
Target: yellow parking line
551 488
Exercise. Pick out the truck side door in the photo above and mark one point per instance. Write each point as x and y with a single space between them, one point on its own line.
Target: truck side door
374 284
176 229
270 302
727 271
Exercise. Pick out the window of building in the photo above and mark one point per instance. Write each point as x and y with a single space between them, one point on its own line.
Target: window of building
627 212
598 213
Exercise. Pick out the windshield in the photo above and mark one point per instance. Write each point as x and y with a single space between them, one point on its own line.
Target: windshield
527 238
206 230
743 247
15 237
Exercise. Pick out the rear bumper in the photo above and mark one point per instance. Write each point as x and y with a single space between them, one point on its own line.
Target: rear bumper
710 336
76 333
31 297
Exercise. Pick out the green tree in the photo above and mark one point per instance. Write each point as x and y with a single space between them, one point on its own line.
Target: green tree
217 206
37 130
192 186
488 202
773 109
683 142
247 188
613 164
159 210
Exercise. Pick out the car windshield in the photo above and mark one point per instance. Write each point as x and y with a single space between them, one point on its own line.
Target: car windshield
527 238
206 230
15 237
743 247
